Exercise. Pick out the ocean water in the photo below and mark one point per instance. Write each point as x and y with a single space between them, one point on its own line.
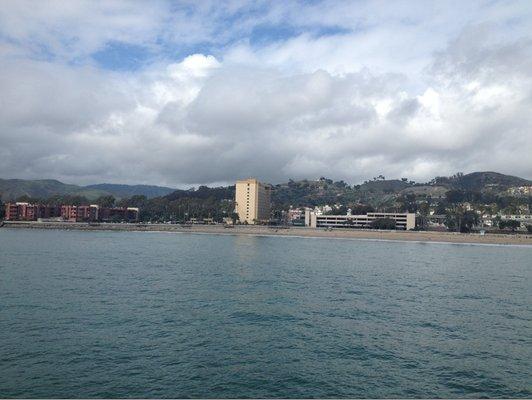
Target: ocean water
132 314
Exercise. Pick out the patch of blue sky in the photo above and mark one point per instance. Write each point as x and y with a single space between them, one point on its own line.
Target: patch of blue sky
125 57
175 52
264 34
121 56
330 31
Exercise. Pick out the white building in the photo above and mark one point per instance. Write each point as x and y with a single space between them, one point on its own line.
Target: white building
406 221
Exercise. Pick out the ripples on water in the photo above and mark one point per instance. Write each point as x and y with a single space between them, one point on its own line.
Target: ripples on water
118 314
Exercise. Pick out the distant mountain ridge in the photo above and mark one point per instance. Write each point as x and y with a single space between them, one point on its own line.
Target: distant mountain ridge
381 191
11 189
478 181
123 191
310 192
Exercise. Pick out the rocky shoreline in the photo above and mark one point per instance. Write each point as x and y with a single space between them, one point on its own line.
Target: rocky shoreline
418 236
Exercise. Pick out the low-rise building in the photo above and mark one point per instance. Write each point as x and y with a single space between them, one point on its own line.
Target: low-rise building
517 217
85 213
520 191
69 213
132 214
45 211
493 220
405 221
11 213
22 211
296 216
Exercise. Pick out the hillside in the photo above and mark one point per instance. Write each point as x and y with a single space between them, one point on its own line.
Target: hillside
384 186
378 192
433 191
12 189
125 191
203 193
327 191
309 193
479 181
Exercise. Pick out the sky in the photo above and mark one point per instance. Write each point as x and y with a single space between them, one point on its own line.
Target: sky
182 93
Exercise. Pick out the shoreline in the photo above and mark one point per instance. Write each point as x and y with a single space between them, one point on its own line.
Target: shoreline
302 232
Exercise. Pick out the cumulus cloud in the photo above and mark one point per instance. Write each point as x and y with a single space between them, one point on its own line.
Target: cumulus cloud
311 104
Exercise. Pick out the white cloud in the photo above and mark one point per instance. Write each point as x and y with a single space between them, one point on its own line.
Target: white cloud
383 96
68 30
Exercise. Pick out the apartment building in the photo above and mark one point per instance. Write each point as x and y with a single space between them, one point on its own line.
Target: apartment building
11 213
405 221
22 211
87 213
69 213
252 200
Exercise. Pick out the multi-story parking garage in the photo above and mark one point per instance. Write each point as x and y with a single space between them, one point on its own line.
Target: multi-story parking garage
404 221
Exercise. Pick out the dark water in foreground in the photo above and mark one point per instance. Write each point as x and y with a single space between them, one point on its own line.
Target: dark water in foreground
124 314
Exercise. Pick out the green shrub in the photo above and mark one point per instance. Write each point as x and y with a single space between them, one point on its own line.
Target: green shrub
383 223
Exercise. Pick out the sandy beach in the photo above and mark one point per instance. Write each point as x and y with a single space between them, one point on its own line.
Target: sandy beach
417 236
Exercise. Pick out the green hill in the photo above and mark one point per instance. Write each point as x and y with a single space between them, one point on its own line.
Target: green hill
482 180
309 193
377 192
124 191
12 189
203 193
479 181
384 186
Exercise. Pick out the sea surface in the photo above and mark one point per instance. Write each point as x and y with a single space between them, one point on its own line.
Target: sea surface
138 314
